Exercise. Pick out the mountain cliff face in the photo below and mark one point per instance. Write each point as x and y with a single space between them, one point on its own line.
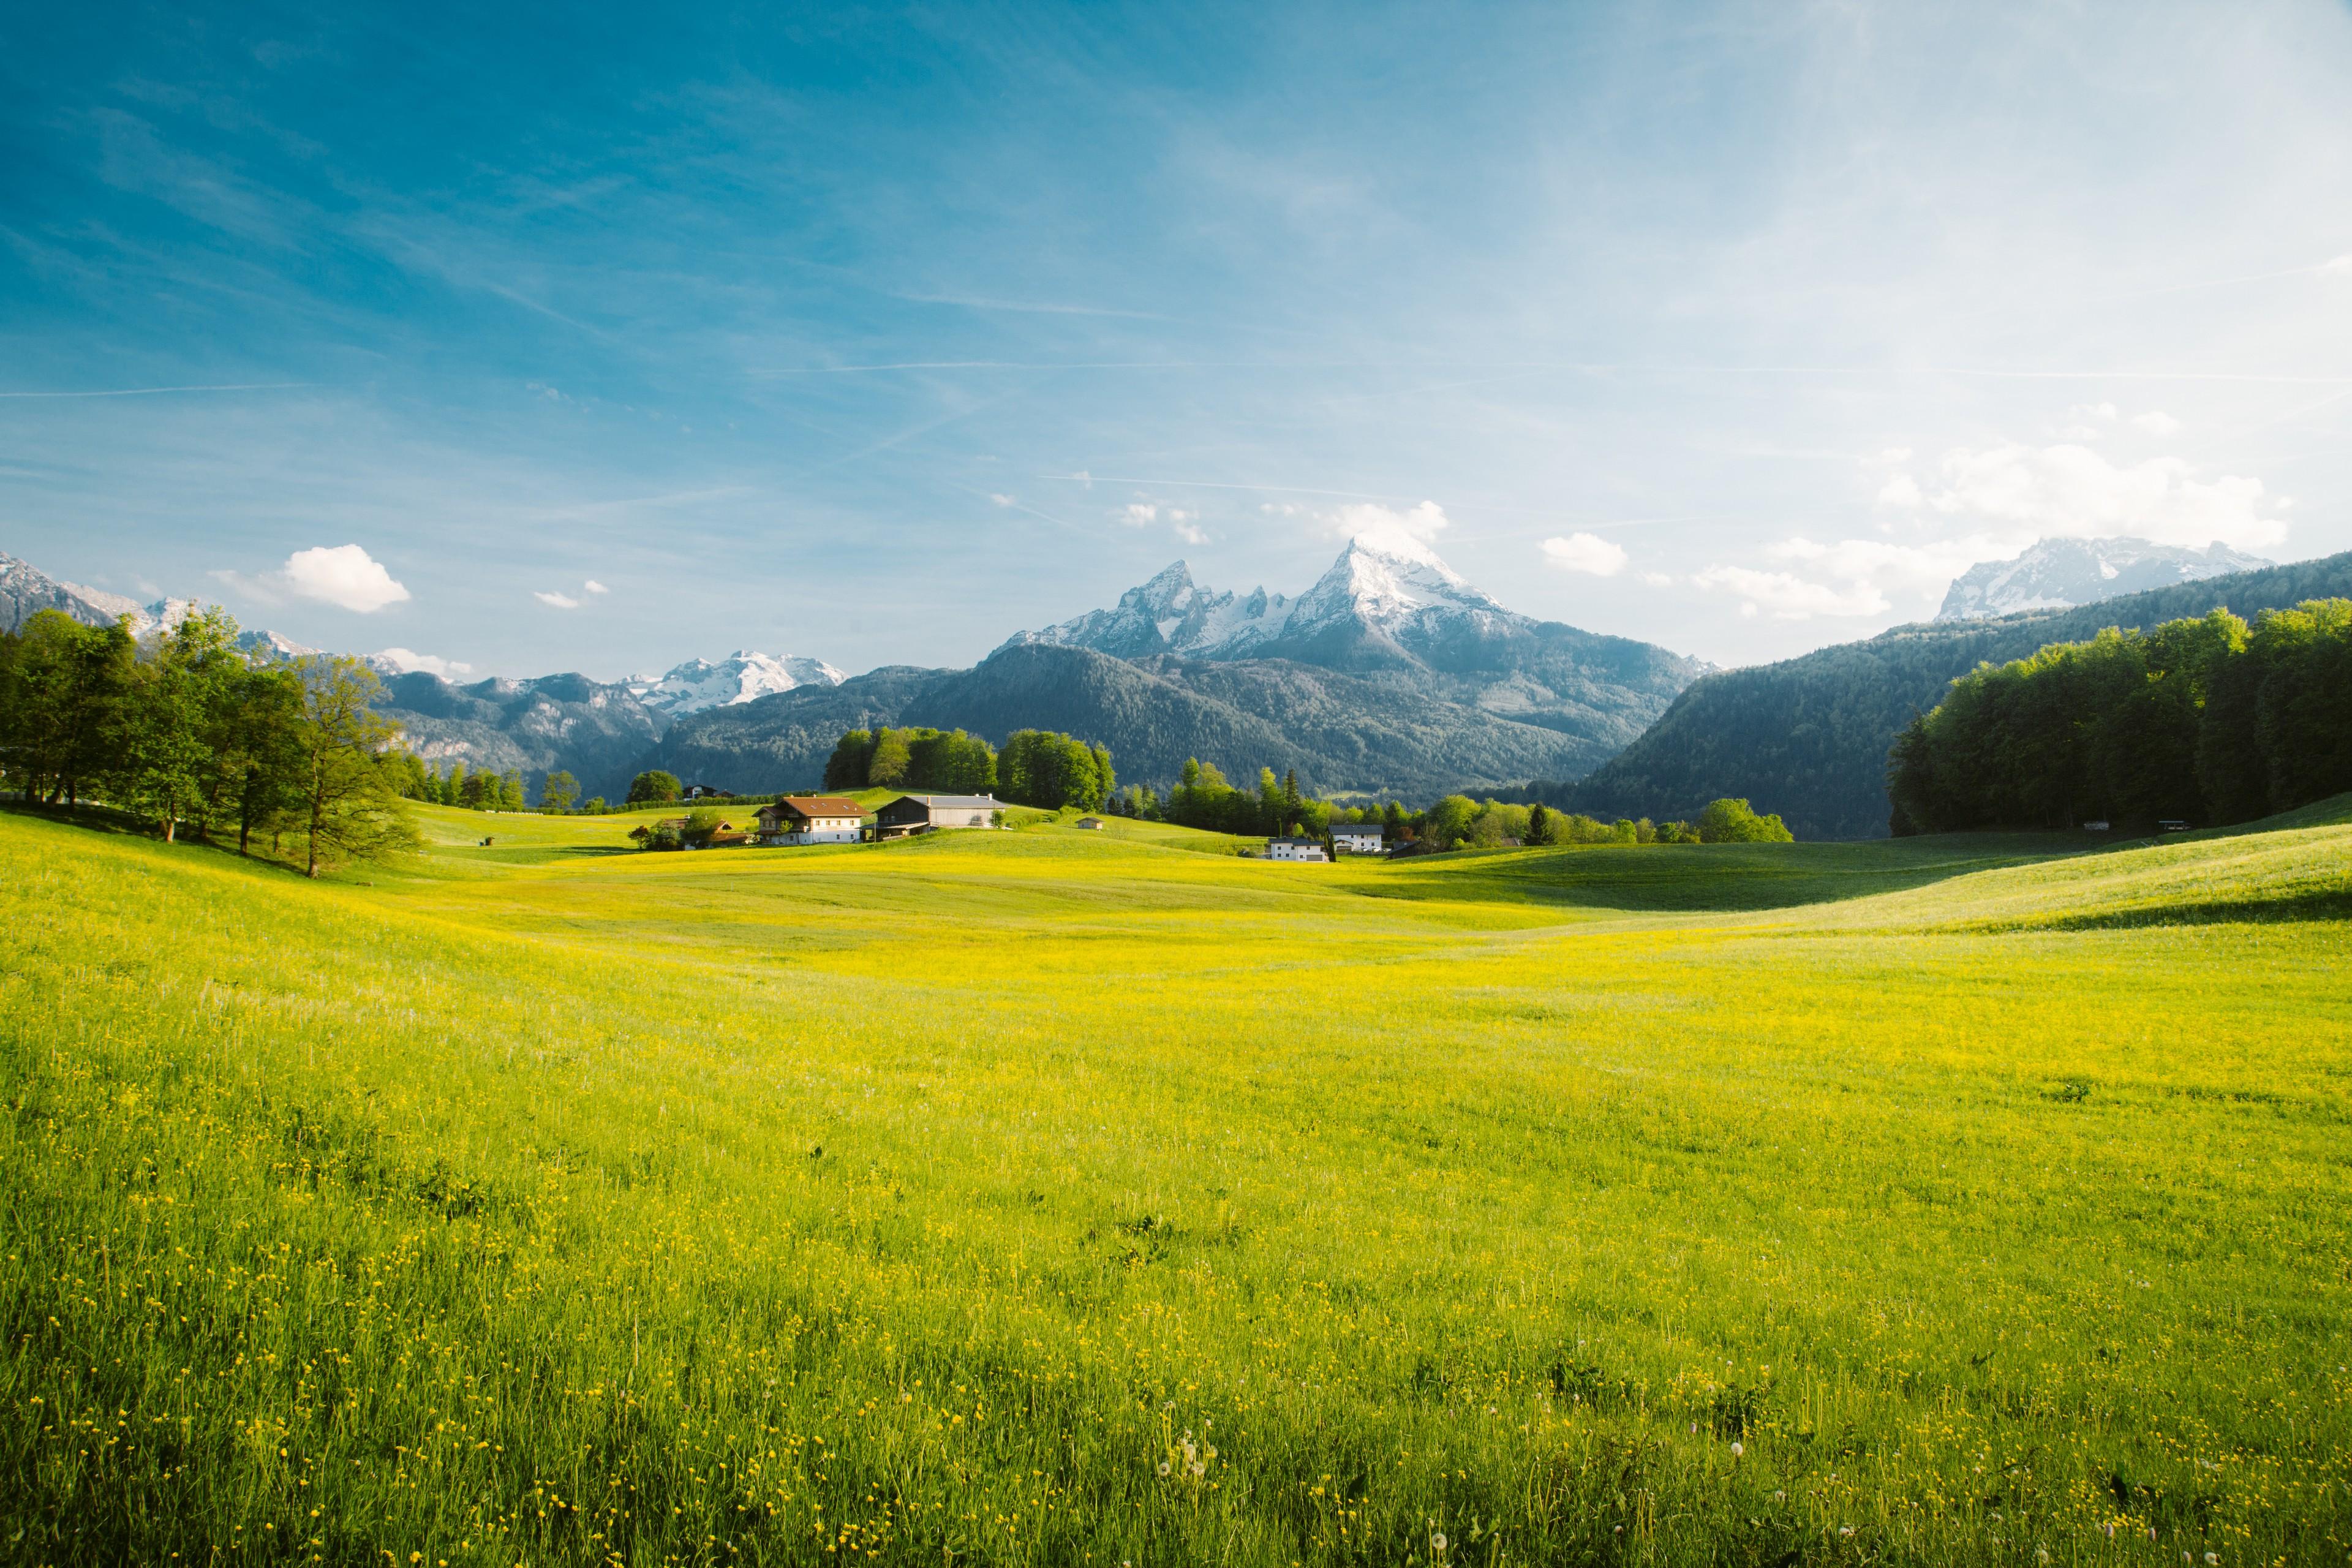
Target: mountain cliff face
1808 737
25 591
2059 574
1391 676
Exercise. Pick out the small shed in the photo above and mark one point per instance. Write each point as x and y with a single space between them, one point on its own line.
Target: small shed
1092 823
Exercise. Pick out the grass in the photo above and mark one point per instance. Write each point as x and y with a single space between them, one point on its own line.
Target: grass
1957 1200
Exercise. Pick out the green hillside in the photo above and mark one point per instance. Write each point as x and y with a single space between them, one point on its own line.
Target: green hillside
1063 1196
1808 737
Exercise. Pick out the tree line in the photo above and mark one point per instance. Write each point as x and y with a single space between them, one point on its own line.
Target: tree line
186 729
2205 719
1205 798
1038 767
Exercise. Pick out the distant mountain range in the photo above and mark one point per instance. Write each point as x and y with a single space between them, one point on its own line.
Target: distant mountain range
1808 737
598 731
2058 574
1391 676
740 677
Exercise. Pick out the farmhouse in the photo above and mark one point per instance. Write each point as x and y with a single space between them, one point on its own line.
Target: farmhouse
810 819
1294 849
930 813
1093 823
1358 837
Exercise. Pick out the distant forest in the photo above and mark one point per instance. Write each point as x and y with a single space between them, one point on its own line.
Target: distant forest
2205 720
1808 737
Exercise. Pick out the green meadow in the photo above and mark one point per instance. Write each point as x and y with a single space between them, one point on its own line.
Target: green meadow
1049 1197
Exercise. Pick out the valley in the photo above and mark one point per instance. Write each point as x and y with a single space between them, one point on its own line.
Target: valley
1951 1199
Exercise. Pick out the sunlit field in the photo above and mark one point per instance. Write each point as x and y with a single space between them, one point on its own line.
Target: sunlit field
1050 1196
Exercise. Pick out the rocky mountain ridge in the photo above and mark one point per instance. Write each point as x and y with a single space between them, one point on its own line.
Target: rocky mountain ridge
2060 574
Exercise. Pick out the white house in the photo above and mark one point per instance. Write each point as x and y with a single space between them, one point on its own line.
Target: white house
810 819
1294 849
1359 837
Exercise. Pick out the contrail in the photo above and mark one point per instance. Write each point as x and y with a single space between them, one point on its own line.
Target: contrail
153 390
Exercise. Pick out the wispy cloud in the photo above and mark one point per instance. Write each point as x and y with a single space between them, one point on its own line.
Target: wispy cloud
558 601
161 391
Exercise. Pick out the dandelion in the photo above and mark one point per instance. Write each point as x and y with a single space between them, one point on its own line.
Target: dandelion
1780 1497
1845 1530
1165 1466
2213 1557
1437 1542
1737 1449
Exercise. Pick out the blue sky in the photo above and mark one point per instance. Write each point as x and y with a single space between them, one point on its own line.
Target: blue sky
876 335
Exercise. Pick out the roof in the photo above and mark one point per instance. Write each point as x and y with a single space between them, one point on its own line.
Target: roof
821 805
951 801
1358 827
1317 842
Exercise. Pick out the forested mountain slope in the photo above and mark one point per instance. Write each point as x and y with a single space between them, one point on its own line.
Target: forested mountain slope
592 730
1808 737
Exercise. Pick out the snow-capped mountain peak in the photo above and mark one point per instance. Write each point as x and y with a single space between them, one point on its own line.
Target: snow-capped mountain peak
1386 580
743 676
1382 587
2057 573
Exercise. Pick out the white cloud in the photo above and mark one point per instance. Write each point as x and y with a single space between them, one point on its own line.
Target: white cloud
1657 579
1189 534
1585 553
1859 576
2341 264
593 587
1900 491
1138 514
1789 596
2071 492
560 601
344 575
408 662
2157 422
1001 499
1408 532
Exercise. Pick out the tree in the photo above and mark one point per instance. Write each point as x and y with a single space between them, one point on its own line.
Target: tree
1447 822
348 809
558 790
654 787
851 756
893 756
1728 821
1539 825
593 804
73 684
510 796
168 719
258 752
701 826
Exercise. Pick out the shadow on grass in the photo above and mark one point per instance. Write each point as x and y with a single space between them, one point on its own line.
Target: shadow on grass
1719 877
2304 904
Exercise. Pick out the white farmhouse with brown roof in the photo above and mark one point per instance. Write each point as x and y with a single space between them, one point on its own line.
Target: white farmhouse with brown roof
810 819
